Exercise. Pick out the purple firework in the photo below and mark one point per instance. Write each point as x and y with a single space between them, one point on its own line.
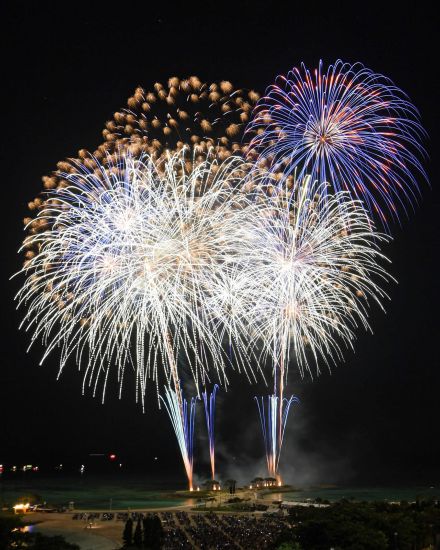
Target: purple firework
348 126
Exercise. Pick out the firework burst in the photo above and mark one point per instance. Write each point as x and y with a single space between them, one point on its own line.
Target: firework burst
179 114
322 269
184 112
149 259
132 264
348 126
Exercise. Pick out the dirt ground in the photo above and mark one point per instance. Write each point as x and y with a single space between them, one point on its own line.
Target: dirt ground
103 535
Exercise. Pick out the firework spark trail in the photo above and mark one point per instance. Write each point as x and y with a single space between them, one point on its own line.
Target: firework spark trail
209 404
135 265
349 126
182 417
272 426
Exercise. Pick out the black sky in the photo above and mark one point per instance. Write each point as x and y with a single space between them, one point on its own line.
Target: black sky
376 418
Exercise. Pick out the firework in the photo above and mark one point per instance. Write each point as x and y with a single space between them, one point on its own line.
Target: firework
273 434
182 417
151 253
182 113
209 403
322 269
347 126
132 267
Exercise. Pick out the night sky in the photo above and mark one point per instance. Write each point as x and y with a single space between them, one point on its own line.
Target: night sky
375 419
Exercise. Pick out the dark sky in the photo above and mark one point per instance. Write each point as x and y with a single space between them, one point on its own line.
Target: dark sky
376 418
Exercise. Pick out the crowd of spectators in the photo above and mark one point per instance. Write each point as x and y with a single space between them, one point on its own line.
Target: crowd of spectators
94 516
251 531
213 531
207 531
175 536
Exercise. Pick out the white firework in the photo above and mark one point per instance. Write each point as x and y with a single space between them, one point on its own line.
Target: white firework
134 264
323 268
151 262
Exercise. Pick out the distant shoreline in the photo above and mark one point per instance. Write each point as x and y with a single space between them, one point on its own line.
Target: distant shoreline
103 495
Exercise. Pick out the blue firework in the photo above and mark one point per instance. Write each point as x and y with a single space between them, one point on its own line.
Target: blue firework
348 126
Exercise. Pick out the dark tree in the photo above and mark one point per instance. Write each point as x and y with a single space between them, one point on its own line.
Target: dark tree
137 537
153 533
127 535
158 533
148 532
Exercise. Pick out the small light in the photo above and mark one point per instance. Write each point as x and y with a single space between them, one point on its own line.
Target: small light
21 508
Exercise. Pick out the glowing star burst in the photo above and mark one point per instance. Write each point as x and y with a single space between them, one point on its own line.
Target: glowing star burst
349 126
322 269
130 265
